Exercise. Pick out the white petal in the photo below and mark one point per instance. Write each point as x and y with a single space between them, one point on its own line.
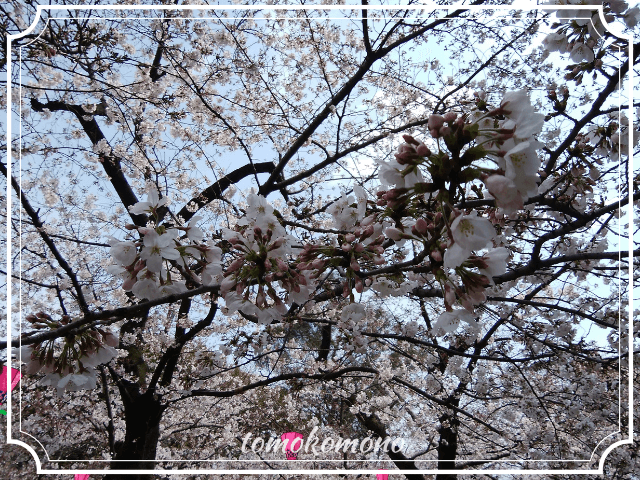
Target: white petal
455 255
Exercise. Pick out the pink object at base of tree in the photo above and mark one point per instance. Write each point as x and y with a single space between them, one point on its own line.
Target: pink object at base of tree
289 439
15 378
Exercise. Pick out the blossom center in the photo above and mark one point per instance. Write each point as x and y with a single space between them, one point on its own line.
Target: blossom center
466 228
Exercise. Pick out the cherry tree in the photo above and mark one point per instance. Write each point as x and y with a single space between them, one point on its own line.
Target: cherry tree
370 223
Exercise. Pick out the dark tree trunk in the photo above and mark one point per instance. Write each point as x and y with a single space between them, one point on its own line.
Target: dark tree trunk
448 445
142 419
373 423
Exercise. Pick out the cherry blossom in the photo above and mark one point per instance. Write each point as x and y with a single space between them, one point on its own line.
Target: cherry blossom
556 42
345 214
580 52
506 193
194 233
124 252
394 174
72 382
158 247
152 203
469 233
495 262
448 322
520 114
522 164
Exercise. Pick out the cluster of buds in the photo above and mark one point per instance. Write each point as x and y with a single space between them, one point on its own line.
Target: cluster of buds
580 181
437 127
474 287
474 283
424 229
360 248
412 152
257 260
394 198
77 352
559 104
259 264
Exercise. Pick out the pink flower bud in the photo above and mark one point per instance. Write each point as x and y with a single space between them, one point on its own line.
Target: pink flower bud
367 232
444 131
318 263
261 298
129 283
449 116
367 221
282 265
421 226
359 248
378 260
235 265
393 233
354 265
346 247
359 285
435 122
405 149
410 140
423 151
436 255
277 244
350 237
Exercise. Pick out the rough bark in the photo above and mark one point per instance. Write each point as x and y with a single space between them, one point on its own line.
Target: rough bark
142 418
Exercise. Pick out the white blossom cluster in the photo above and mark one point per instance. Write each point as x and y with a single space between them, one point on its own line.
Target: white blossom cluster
143 264
84 378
